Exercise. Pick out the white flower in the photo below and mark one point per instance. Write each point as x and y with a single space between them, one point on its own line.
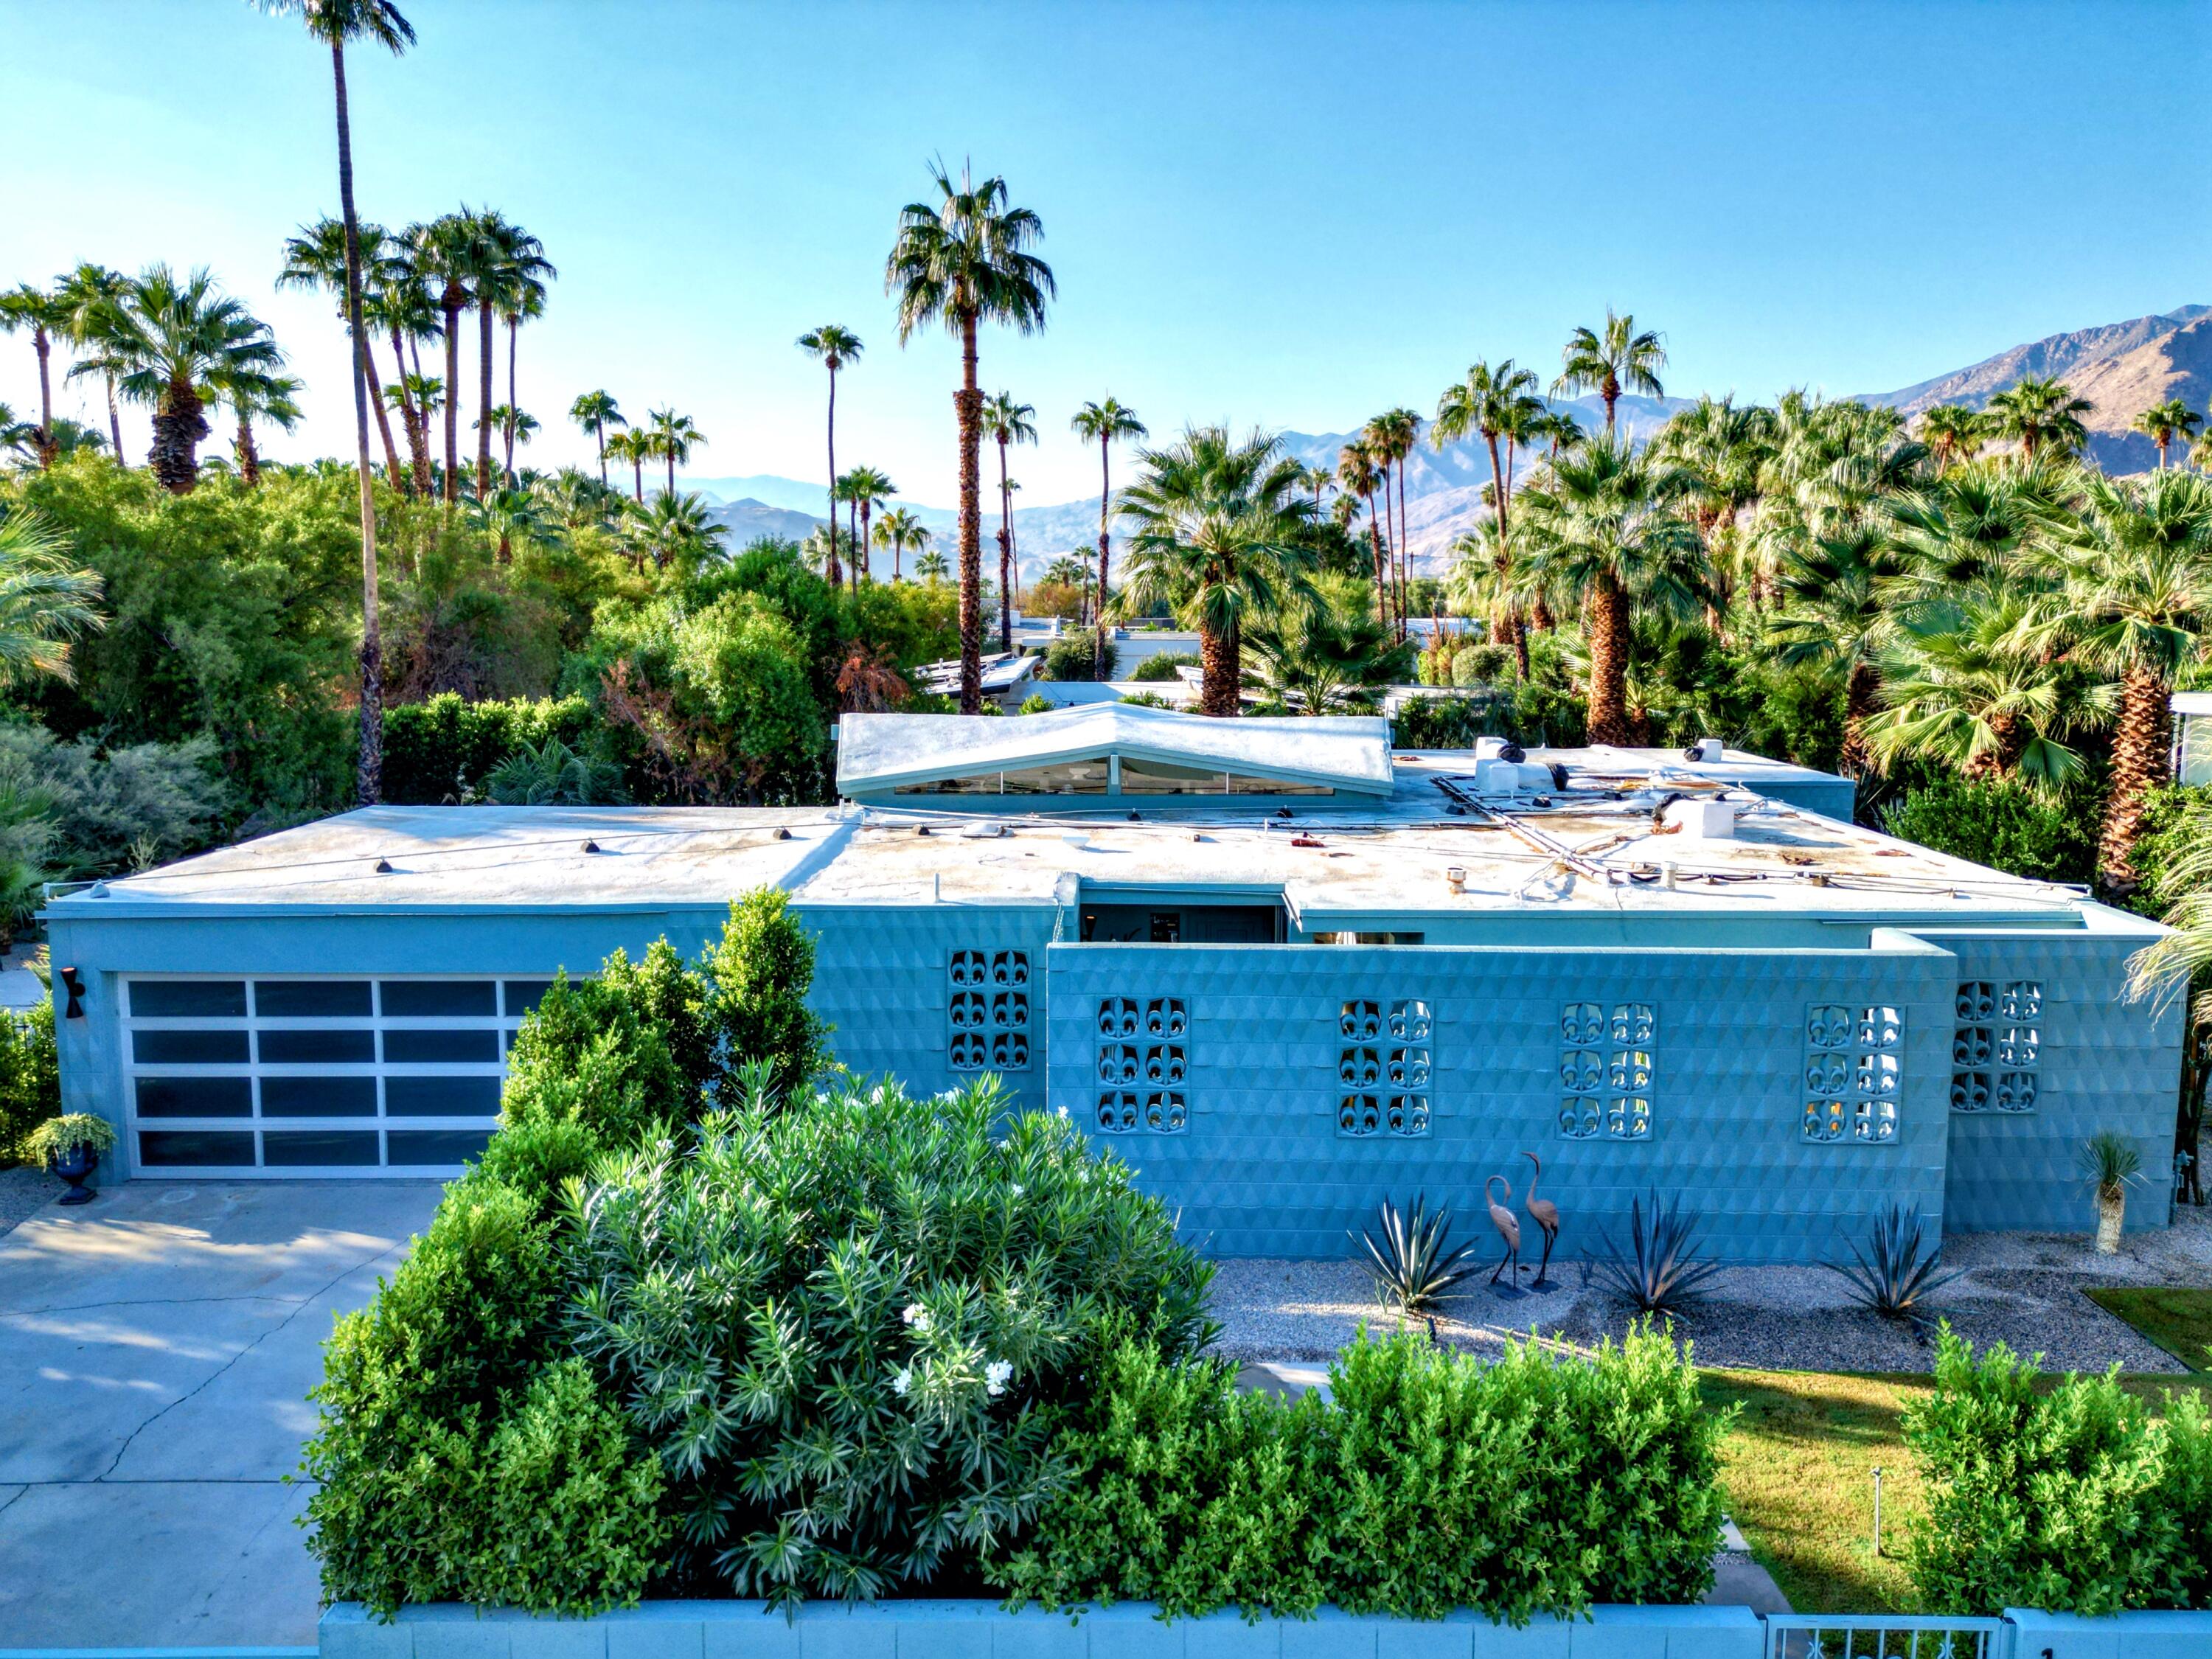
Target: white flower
1017 1189
902 1382
1063 1112
995 1376
916 1315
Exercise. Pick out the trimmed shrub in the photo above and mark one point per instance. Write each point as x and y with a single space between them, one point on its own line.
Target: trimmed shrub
2007 826
30 1077
1070 658
2038 1497
1164 667
758 975
446 748
913 1284
1434 1482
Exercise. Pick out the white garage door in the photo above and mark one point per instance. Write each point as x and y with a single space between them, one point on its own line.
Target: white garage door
307 1076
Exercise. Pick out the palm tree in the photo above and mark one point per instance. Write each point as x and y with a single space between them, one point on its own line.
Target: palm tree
167 342
2037 410
1336 654
899 530
930 566
1837 612
674 437
1558 429
636 446
453 252
1726 451
339 260
833 347
595 411
2166 422
511 266
1952 433
254 396
1612 360
1006 422
960 261
1105 422
1494 402
1392 437
1218 522
1357 470
84 291
1602 532
46 601
2200 453
866 489
520 426
507 516
673 528
520 298
2135 600
396 299
44 315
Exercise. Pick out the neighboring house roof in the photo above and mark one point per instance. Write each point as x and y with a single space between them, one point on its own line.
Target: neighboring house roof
877 753
1002 673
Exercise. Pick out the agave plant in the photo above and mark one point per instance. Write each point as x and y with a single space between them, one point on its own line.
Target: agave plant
1414 1262
552 775
1898 1268
1660 1271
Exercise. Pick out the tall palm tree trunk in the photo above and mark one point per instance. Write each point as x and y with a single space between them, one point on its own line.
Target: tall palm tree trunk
451 308
49 451
2140 759
1375 537
1105 545
1608 658
1005 556
1405 554
833 462
483 396
1217 656
180 423
513 328
671 459
383 421
1510 630
249 459
599 432
415 418
115 424
637 482
1862 698
860 547
969 402
368 775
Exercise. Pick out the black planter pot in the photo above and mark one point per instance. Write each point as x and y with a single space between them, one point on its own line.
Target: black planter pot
73 1166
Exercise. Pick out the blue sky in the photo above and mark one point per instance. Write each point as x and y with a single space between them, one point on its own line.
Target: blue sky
1284 215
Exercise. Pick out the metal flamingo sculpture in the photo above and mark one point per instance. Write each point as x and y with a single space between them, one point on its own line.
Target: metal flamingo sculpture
1508 1228
1544 1214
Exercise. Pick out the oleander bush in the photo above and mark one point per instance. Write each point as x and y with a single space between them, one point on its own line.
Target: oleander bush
1534 1484
2069 1496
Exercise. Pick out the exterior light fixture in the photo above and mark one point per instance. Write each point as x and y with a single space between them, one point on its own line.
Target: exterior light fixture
73 982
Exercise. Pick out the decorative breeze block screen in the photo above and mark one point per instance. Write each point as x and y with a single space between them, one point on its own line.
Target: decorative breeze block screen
1608 1070
1997 1046
1385 1062
989 1010
1144 1062
1853 1060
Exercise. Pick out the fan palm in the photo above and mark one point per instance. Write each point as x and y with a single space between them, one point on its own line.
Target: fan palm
1218 522
257 395
931 566
1006 422
899 531
674 437
1603 533
46 602
396 299
1105 422
84 291
595 411
1952 433
507 516
42 315
2135 600
168 341
2037 412
520 426
960 261
1837 612
1611 360
512 268
635 446
866 489
454 252
833 347
1391 437
1493 402
1358 471
316 259
2165 423
1557 429
1330 654
520 300
672 528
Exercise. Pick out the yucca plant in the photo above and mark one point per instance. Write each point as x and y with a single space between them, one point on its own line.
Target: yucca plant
2112 1163
1661 1270
1415 1262
1898 1268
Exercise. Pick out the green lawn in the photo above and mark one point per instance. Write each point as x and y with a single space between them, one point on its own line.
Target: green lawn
1797 1469
2178 1321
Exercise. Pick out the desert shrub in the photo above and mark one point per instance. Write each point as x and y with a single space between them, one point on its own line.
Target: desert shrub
1446 722
1070 658
1164 667
1477 664
445 749
2186 1492
78 809
30 1077
1036 704
2007 826
1433 1482
2038 1498
914 1282
1180 1490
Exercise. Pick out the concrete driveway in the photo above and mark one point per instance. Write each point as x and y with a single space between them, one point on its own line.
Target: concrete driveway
155 1349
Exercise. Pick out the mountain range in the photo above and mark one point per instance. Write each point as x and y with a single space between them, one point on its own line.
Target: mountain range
2121 368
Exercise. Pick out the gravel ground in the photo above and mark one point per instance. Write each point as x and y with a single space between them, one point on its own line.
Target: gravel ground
2024 1289
24 1190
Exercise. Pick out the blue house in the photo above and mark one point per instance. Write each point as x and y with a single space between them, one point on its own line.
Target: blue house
1284 971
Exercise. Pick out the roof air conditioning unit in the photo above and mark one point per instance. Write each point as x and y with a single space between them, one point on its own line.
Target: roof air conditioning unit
1701 819
1506 777
1704 749
1503 749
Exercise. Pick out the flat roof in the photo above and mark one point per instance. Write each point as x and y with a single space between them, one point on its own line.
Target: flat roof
1590 849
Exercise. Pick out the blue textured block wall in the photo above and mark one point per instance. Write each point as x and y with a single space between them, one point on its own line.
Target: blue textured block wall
1261 1168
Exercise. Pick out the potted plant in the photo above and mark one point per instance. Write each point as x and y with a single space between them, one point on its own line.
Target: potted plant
2111 1162
72 1145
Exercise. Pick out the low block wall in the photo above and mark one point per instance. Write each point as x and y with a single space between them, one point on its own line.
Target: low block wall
978 1630
2122 1636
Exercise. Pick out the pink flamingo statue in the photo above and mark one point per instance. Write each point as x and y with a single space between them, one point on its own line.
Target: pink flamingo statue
1544 1214
1508 1228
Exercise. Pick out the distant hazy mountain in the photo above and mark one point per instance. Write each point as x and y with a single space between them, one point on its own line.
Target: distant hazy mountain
2123 369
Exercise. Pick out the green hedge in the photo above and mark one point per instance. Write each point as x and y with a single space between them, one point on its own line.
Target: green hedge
1434 1481
439 751
2069 1498
2007 826
30 1075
